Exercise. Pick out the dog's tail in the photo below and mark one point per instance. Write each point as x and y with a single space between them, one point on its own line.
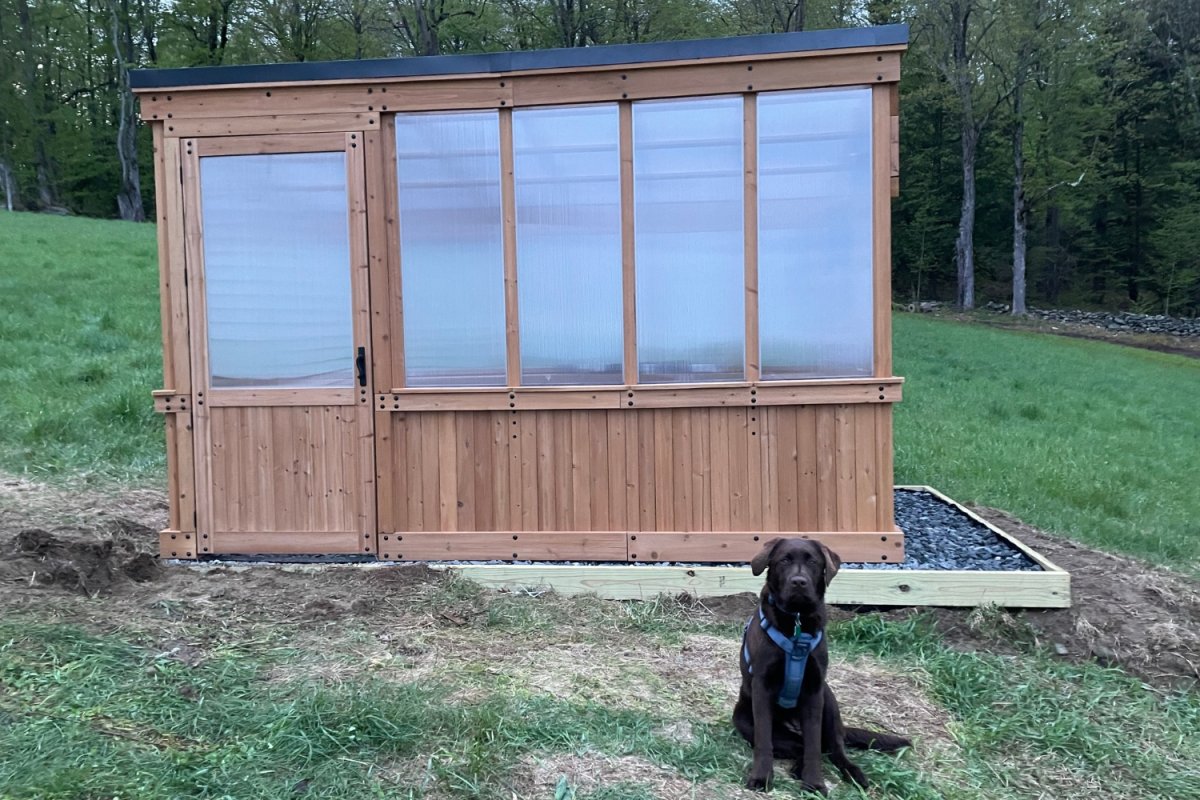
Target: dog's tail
862 739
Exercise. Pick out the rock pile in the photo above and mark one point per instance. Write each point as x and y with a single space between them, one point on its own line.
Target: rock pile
1120 321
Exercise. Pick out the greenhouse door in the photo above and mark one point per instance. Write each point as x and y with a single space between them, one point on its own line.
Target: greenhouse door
280 343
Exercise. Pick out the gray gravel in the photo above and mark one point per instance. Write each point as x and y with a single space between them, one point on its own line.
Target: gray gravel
939 536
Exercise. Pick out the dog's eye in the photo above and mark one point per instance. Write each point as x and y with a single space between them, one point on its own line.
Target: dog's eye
785 560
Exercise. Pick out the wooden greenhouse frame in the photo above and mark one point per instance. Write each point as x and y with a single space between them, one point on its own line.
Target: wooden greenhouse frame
379 464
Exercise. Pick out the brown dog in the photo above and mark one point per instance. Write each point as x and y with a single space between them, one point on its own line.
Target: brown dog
790 712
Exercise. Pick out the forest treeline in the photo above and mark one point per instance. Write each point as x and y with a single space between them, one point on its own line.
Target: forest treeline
1050 148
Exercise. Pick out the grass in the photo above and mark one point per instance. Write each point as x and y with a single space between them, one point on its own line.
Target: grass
97 715
1084 438
79 349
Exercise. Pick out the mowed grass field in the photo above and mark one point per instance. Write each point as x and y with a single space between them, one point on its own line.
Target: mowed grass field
538 698
79 349
1094 441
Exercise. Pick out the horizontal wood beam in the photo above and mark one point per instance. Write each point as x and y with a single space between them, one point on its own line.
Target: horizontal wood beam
741 546
819 392
611 83
504 545
262 145
238 398
850 587
285 542
706 79
270 124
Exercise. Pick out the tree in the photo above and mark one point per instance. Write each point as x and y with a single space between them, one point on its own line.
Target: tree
958 31
129 193
37 107
770 16
291 30
203 29
420 23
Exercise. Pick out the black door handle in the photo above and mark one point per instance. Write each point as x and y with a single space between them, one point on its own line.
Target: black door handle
360 364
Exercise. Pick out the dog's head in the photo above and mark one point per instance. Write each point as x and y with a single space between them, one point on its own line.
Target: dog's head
798 571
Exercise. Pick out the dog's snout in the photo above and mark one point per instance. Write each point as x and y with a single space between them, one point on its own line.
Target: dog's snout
799 581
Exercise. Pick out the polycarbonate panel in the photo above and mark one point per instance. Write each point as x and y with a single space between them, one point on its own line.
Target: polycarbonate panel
277 270
451 248
688 191
815 289
568 190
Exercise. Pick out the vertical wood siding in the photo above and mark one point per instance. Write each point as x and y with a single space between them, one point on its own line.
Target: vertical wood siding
767 468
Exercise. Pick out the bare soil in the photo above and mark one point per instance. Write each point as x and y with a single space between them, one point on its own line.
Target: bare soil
88 557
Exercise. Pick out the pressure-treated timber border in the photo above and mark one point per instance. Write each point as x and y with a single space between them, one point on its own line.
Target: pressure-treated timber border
816 459
1049 588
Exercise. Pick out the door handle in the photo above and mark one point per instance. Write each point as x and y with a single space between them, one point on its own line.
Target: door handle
360 365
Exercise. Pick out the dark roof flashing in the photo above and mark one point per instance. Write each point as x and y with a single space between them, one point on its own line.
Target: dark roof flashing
522 60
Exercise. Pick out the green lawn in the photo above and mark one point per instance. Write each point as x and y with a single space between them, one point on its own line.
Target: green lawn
270 708
1091 440
1096 441
79 349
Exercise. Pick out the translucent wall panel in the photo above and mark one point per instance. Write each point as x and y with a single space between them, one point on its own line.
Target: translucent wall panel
568 191
451 248
688 198
814 241
277 270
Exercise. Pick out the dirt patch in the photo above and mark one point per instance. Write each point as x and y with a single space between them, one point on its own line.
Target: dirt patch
1125 613
74 563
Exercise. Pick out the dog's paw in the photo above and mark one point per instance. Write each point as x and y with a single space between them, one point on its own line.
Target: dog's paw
815 788
758 783
855 775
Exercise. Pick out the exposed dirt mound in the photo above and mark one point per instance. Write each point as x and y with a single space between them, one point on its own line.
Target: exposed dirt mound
74 563
1126 613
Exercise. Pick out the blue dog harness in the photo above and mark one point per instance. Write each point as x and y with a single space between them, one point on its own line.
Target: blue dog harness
797 649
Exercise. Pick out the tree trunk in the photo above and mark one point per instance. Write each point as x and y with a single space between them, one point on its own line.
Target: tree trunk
129 197
8 185
964 84
1019 211
964 247
36 102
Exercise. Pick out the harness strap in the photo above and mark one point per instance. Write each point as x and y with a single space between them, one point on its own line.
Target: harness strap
797 648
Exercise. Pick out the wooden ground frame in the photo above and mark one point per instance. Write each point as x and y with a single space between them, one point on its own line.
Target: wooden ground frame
1049 588
695 471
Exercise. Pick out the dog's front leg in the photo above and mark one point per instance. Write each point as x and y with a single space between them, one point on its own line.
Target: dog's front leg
812 712
764 764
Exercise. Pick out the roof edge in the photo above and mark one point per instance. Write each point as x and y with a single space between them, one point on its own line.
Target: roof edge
522 60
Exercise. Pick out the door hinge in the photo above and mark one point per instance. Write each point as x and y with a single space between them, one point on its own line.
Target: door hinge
360 364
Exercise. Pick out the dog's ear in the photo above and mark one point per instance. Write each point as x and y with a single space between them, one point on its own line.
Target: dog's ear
832 563
763 559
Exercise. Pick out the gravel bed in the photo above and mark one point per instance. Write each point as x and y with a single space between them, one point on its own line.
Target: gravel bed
937 536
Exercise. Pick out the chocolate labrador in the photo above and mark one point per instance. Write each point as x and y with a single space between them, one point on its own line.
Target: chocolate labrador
785 708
